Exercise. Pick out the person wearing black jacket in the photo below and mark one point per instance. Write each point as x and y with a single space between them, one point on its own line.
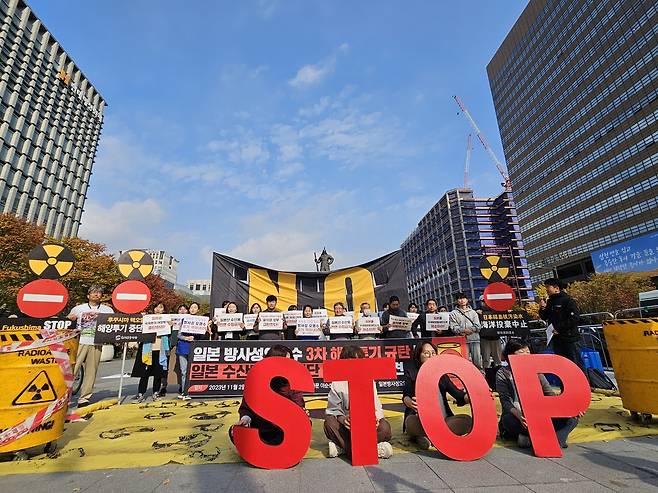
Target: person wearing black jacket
459 424
421 321
393 309
563 314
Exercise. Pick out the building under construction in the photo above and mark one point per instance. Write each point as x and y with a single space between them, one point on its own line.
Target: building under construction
442 255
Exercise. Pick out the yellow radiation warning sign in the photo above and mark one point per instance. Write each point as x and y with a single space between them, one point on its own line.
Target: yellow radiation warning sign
135 264
494 268
39 390
50 261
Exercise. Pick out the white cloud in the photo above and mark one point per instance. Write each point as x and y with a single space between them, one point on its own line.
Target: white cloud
289 170
286 138
125 224
242 150
312 74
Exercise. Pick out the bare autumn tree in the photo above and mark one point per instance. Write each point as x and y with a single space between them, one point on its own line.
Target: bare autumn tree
609 291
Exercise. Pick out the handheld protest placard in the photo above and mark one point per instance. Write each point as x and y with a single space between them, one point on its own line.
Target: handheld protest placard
494 268
50 261
135 264
480 439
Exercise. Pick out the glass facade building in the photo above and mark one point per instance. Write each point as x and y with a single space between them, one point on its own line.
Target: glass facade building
442 255
51 122
575 87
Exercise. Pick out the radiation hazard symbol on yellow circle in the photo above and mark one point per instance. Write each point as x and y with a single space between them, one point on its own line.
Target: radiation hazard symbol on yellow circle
135 264
50 261
494 268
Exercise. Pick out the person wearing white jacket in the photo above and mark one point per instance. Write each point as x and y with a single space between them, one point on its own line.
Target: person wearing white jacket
337 420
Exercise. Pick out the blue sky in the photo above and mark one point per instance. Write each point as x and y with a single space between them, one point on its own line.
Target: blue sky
269 129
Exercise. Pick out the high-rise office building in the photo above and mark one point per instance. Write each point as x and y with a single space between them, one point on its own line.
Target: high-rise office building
575 87
443 254
51 122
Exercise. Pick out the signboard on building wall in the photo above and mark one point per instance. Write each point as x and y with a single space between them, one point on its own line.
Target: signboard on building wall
636 255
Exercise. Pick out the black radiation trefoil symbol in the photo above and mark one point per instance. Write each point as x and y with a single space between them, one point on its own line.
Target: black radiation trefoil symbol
50 261
40 389
135 264
494 268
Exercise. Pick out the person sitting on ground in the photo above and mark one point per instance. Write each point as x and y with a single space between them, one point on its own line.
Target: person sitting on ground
459 424
268 431
512 425
337 421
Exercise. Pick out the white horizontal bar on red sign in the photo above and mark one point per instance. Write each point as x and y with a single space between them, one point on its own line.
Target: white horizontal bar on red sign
131 296
501 296
44 298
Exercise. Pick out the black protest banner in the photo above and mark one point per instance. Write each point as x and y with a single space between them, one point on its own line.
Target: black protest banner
499 324
117 328
221 367
245 283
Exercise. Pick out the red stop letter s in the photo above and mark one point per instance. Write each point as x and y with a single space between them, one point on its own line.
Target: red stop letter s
538 409
360 373
277 409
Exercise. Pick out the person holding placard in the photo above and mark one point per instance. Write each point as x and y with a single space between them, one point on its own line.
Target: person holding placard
152 361
338 318
337 420
183 350
464 321
307 316
459 424
366 313
255 309
428 330
173 357
393 330
89 354
270 335
231 308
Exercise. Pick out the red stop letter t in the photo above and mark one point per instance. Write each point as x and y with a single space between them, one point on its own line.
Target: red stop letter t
479 441
360 374
538 409
275 408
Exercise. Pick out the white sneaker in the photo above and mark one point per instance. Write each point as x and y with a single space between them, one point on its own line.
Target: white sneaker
186 398
139 398
334 450
180 396
384 450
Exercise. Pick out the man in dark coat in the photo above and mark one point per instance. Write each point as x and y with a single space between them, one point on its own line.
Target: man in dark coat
561 311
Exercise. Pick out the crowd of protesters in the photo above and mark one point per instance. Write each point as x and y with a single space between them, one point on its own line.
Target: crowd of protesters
155 360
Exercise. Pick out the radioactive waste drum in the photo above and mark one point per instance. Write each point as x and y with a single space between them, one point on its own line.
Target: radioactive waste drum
34 382
633 347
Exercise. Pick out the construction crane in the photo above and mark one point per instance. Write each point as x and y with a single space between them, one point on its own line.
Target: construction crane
501 169
467 163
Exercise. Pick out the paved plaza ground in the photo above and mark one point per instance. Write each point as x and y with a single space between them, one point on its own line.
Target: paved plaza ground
618 465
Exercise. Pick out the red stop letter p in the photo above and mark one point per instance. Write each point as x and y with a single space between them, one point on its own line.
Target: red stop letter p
538 409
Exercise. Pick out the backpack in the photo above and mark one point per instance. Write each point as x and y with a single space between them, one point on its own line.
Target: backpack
599 380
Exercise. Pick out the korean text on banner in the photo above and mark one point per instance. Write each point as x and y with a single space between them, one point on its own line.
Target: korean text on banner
309 327
194 324
399 323
368 325
229 322
437 322
270 321
159 324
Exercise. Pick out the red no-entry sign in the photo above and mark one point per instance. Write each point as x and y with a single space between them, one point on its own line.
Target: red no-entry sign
499 296
42 298
131 297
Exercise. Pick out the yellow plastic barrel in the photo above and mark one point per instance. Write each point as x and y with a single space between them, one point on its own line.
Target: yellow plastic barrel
633 347
31 380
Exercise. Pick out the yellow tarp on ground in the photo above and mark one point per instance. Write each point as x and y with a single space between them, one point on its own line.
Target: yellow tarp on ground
195 432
